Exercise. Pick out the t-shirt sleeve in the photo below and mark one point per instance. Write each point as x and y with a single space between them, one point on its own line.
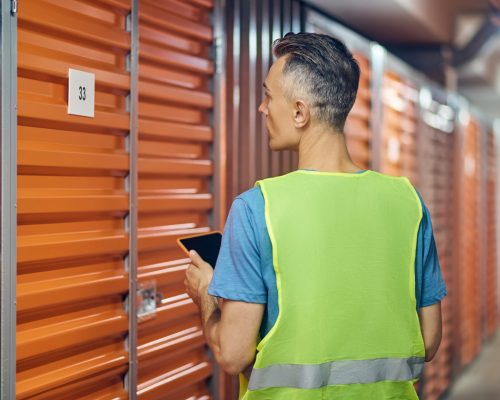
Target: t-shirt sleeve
430 286
238 274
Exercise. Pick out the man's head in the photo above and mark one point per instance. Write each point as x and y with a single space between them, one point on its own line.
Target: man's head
313 81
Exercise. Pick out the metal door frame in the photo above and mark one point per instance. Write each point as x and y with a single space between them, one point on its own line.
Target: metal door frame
8 155
131 260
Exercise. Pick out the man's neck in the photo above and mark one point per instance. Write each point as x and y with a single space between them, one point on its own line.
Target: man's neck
325 150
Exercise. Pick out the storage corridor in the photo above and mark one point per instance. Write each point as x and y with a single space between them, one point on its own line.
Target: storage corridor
169 131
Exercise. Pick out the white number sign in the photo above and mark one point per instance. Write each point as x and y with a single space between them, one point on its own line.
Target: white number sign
81 89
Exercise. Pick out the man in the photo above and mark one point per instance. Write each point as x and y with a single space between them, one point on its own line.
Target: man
328 264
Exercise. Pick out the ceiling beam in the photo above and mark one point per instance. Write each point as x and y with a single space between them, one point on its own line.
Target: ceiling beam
489 29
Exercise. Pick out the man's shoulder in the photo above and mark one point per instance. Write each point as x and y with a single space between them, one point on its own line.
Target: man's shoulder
252 197
251 204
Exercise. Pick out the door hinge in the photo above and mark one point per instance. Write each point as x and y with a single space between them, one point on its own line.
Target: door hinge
13 7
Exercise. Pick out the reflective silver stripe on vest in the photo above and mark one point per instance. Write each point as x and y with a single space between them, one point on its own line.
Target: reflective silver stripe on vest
343 372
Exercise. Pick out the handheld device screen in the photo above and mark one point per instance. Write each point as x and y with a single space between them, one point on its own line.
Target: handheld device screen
207 245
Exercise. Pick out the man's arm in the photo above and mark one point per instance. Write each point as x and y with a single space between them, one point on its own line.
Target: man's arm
231 329
431 327
430 287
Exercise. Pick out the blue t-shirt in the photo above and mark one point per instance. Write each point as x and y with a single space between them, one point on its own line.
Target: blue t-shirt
245 272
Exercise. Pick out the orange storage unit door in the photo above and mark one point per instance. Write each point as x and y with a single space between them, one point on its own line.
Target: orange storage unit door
72 202
175 194
357 127
491 220
469 269
436 187
399 127
251 28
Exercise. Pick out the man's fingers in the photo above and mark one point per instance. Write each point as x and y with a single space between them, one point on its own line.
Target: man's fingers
196 259
191 271
197 277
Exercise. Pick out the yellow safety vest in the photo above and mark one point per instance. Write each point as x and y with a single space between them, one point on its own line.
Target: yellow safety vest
344 253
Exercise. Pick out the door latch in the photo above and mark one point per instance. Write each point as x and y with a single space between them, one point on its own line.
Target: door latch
147 300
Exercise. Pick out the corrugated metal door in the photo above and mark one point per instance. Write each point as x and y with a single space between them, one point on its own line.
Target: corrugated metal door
357 127
175 193
399 127
491 273
252 26
436 170
72 202
469 271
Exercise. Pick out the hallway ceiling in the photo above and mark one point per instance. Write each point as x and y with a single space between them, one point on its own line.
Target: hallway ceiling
418 24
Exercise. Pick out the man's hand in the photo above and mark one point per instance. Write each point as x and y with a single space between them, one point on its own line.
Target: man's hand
198 276
232 334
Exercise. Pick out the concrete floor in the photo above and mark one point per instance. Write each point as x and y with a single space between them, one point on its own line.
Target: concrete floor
481 381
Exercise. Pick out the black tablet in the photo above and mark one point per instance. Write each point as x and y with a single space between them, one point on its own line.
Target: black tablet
207 245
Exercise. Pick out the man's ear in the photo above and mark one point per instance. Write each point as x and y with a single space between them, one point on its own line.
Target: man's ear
301 114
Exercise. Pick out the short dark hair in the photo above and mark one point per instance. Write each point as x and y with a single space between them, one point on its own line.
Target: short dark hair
323 71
